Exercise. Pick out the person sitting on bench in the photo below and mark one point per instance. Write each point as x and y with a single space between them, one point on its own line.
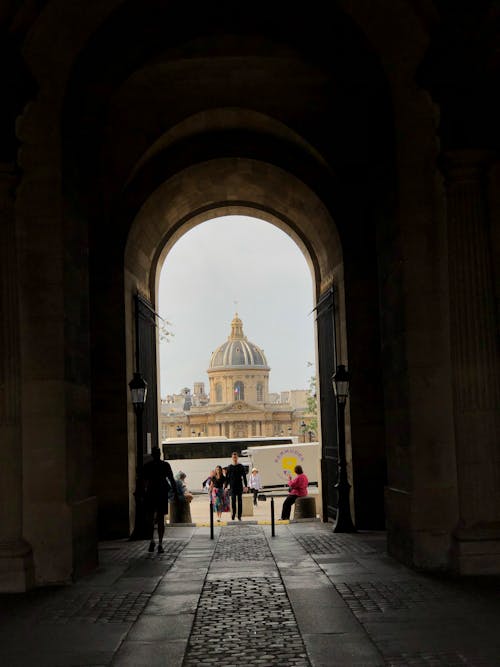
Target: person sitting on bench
298 488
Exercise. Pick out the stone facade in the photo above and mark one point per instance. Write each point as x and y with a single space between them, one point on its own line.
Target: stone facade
238 405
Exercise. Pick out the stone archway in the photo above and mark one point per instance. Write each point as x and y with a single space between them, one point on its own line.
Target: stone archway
256 189
361 137
240 186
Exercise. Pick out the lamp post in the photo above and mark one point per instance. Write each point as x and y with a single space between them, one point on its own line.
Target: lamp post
303 427
289 431
138 390
343 524
310 435
179 430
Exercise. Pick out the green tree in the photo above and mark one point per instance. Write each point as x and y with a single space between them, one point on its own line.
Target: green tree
312 405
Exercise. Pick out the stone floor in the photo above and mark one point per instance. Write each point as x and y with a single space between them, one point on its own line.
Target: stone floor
306 597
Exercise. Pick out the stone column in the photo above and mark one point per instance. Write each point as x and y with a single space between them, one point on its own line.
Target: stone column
16 558
475 362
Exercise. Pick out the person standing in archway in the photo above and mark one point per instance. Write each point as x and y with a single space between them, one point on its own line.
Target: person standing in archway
237 481
158 481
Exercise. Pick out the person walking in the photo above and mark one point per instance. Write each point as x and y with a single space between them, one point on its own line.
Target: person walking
158 481
237 481
218 492
254 484
298 488
207 482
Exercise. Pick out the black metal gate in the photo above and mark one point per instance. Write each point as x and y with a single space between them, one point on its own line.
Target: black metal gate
325 318
145 330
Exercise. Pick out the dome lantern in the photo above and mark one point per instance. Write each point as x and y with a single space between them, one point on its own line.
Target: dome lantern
236 329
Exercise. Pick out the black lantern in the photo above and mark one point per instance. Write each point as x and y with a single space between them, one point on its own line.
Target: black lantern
343 523
139 390
340 381
179 430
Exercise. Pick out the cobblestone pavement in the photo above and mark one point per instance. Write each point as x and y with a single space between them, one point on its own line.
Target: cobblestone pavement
305 598
246 619
248 543
84 624
413 619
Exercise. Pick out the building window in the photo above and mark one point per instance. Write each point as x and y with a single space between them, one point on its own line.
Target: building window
218 392
239 391
260 392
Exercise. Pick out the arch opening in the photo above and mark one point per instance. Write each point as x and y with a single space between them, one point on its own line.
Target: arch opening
254 262
272 195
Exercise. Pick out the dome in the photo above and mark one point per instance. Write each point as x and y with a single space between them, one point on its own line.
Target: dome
237 351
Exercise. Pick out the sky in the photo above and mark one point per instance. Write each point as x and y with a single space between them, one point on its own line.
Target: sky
242 264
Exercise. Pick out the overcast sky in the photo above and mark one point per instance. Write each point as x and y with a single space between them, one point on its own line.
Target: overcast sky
241 259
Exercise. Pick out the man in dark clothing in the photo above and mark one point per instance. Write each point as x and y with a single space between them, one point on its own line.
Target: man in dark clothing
236 479
158 480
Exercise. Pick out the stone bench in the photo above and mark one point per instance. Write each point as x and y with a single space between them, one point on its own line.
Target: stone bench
305 508
179 511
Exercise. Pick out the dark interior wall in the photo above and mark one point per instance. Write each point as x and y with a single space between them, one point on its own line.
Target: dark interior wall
109 391
366 396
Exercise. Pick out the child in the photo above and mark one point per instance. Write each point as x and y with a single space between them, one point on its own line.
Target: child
254 484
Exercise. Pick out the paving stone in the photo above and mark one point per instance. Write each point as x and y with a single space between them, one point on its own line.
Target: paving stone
150 654
161 628
334 650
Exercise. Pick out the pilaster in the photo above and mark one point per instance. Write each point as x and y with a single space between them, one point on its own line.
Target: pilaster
16 558
475 362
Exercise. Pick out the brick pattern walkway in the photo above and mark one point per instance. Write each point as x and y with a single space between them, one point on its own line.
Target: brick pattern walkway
426 659
380 596
97 607
123 551
245 620
335 545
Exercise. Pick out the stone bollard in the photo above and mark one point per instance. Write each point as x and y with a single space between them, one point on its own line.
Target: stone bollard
247 506
179 511
305 508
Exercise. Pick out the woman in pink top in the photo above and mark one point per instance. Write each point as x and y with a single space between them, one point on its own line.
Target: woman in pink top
298 487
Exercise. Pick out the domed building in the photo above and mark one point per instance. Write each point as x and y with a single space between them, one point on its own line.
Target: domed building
239 404
238 370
